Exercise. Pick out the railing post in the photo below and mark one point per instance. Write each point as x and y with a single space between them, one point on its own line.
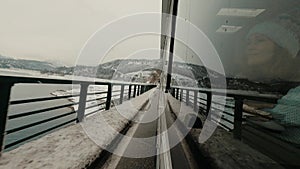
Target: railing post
138 90
129 92
181 94
82 102
134 90
108 98
195 100
177 93
238 113
173 91
208 102
187 97
141 87
122 93
4 103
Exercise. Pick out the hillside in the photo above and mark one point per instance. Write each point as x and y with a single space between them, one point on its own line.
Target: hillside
7 62
183 74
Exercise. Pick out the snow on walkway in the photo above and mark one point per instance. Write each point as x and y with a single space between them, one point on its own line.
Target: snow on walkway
75 146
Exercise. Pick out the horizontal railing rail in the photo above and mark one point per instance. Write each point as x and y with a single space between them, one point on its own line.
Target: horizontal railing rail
191 96
94 101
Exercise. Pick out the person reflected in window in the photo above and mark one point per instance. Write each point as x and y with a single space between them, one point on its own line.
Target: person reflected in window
273 48
273 54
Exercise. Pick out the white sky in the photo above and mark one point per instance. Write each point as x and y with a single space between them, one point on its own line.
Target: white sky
56 30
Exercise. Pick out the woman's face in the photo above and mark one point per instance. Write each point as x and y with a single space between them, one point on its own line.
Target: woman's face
260 49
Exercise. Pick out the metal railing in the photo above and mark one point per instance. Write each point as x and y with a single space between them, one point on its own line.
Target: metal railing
74 116
202 102
237 117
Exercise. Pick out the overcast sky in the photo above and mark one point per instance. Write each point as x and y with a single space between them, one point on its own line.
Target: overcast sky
56 30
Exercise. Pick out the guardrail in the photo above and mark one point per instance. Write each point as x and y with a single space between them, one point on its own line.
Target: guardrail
124 91
233 106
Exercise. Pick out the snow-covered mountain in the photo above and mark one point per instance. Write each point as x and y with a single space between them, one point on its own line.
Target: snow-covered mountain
139 70
7 62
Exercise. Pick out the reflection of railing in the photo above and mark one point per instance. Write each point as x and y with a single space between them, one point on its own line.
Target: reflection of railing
104 102
206 103
264 137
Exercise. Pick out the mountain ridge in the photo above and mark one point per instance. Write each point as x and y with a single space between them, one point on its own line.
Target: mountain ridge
130 69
